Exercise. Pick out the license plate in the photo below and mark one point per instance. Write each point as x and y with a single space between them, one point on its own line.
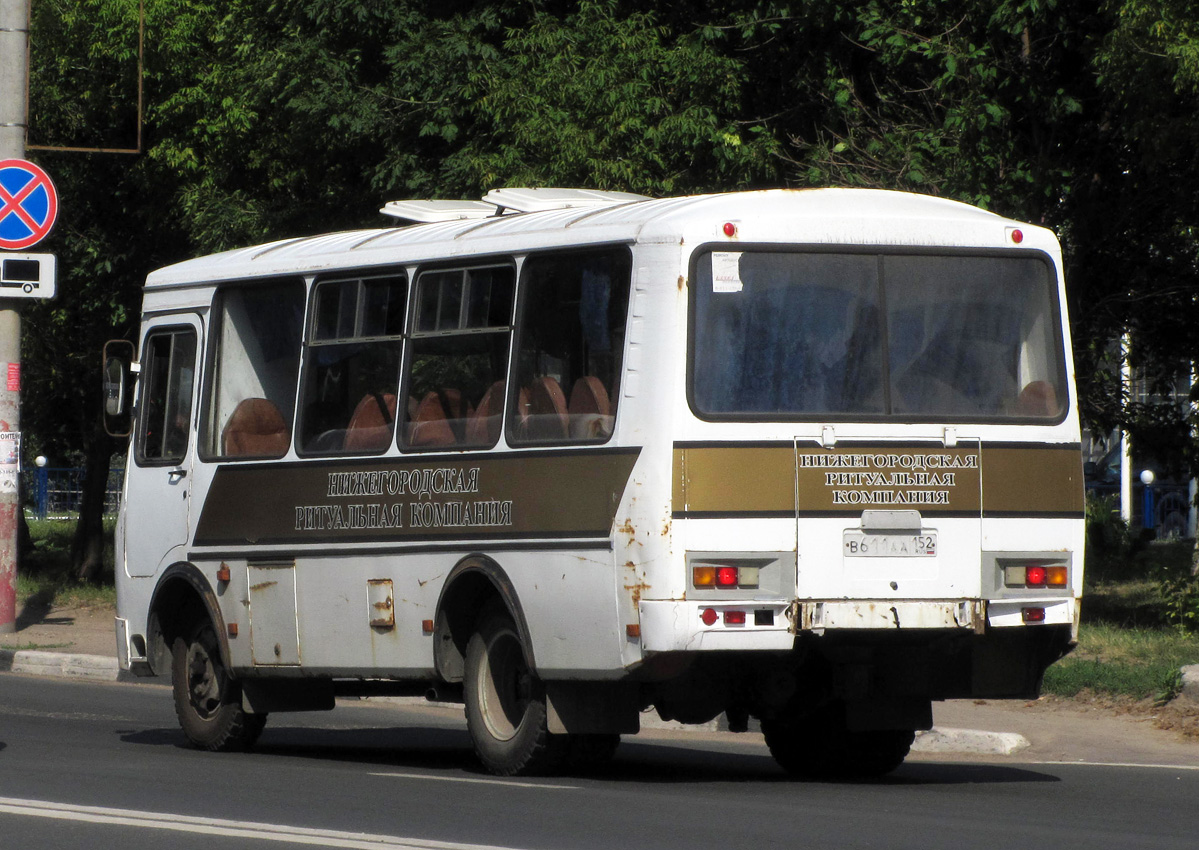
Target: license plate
861 545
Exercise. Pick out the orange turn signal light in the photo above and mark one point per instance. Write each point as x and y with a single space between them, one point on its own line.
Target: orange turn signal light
1056 576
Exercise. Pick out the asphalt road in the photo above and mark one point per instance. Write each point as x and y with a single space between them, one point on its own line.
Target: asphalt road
95 765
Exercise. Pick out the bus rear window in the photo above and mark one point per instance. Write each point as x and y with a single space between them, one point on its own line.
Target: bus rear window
913 337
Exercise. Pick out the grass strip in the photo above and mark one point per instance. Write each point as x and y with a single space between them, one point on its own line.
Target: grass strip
1138 663
44 577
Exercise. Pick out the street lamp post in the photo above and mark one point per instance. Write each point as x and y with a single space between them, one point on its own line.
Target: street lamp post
1148 509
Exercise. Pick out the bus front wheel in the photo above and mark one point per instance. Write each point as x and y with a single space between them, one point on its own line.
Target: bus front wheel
505 703
207 698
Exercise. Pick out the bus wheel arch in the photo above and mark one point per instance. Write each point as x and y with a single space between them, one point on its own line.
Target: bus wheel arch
476 588
182 598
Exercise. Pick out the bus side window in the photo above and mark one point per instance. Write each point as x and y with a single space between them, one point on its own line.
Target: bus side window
459 356
571 341
352 365
251 394
167 406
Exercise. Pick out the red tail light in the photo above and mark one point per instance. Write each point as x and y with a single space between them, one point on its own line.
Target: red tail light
726 577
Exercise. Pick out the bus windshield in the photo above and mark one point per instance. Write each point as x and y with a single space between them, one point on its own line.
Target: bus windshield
910 337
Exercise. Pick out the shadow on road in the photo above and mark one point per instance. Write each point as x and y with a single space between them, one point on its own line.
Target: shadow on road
445 751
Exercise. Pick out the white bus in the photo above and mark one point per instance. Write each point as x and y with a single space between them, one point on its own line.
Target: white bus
810 457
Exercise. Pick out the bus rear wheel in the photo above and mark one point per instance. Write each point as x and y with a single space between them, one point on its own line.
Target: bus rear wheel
207 698
505 703
820 746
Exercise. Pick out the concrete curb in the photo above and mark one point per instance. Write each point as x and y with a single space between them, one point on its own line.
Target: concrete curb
1190 684
934 741
60 664
970 742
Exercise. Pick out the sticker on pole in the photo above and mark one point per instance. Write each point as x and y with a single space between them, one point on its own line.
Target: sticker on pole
28 204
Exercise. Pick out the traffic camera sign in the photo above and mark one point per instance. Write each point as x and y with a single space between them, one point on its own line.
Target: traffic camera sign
28 204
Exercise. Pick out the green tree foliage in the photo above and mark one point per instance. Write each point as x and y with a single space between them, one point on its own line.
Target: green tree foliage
608 98
114 224
1142 240
267 119
1083 117
305 119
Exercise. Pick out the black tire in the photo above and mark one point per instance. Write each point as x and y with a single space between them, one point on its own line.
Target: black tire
819 746
505 704
207 698
589 752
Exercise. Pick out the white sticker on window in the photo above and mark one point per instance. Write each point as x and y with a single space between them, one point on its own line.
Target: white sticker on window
726 271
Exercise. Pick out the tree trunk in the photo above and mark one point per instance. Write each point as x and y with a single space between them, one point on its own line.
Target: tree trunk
87 548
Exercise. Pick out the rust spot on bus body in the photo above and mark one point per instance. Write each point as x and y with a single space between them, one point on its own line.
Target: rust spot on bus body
629 531
635 591
638 585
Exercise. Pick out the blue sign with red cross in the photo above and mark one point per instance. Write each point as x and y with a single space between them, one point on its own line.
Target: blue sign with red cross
28 204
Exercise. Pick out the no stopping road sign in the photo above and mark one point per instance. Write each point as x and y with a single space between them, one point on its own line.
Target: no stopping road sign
28 204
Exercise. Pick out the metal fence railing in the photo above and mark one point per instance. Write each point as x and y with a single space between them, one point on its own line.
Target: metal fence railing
52 492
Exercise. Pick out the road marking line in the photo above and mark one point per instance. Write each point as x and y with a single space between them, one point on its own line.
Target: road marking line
1123 764
508 782
229 828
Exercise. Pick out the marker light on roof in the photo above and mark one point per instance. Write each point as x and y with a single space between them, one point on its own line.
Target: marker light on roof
1017 235
729 229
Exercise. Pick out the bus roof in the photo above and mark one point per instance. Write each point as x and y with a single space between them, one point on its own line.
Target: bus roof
842 216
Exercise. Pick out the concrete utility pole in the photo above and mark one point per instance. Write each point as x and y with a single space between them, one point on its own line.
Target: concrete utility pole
14 70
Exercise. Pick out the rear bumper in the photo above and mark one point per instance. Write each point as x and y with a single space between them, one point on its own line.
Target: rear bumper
891 615
678 626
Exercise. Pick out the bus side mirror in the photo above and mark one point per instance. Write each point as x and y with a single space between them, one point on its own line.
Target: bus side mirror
117 388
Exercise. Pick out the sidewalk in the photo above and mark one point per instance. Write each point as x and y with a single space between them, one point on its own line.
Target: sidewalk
74 642
81 642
